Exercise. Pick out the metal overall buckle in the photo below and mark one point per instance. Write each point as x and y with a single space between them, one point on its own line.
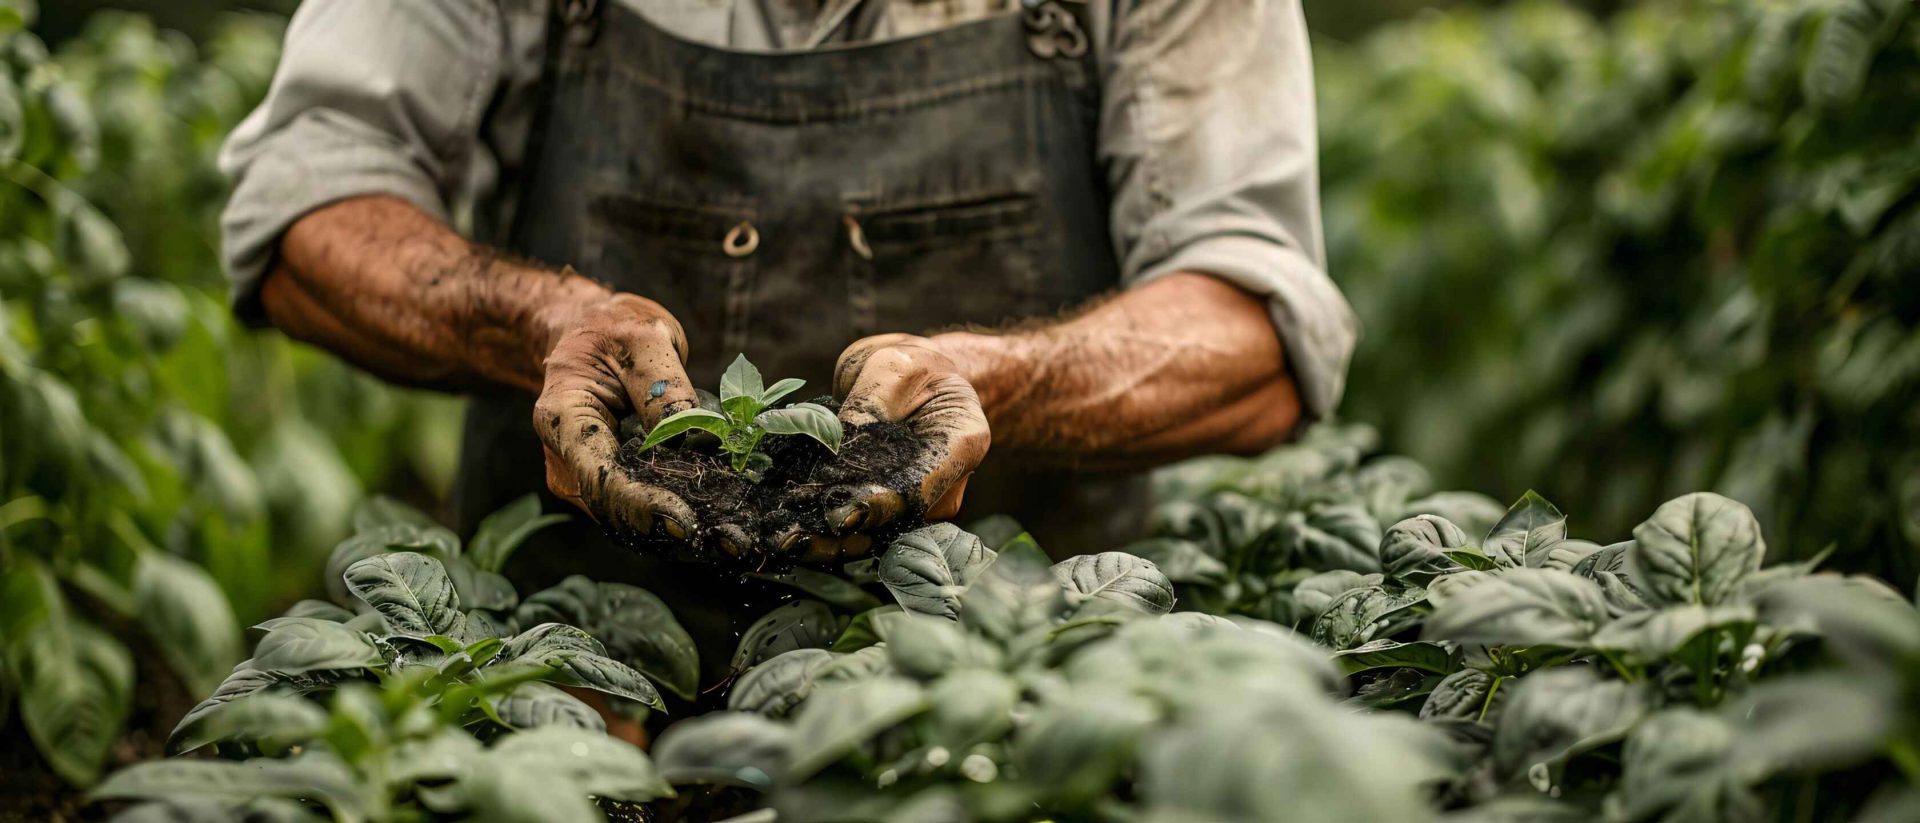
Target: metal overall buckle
582 19
1052 31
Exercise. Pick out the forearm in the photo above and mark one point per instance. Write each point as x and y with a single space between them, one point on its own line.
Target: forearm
1182 366
395 291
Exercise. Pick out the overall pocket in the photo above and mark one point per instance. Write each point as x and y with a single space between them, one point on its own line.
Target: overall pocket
699 261
943 263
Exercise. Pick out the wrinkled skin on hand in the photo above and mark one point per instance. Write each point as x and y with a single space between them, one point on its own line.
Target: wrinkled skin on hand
617 356
900 378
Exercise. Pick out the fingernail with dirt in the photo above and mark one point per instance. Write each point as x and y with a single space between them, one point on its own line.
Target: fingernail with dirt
792 541
671 527
733 540
847 518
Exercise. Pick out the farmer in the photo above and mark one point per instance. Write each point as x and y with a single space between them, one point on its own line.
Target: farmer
1049 236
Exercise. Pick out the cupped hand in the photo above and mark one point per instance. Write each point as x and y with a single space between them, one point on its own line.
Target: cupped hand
613 356
898 378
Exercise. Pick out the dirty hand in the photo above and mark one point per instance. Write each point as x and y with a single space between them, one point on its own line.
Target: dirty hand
612 355
893 378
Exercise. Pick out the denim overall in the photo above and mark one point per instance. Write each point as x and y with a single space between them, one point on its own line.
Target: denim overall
785 205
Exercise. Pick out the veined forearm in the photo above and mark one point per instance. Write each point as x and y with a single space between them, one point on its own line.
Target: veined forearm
1182 366
400 294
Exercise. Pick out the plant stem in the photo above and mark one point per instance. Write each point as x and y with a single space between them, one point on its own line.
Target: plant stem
1488 703
1618 667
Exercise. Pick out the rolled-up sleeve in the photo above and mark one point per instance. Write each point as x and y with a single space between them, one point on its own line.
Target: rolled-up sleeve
1208 132
371 97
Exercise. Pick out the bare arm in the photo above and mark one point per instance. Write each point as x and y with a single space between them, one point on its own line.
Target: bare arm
395 291
1182 366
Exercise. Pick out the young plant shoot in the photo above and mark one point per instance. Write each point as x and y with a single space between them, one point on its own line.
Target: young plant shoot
746 414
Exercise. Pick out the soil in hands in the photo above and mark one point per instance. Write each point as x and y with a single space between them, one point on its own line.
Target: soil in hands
800 487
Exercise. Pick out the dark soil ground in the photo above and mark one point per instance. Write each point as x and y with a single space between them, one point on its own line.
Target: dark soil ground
805 481
29 791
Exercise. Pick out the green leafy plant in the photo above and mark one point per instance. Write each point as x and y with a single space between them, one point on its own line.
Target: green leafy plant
165 476
745 414
400 750
1673 241
415 622
1003 687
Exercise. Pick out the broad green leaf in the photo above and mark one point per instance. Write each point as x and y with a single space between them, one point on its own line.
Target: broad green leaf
775 686
1183 561
1557 714
604 674
970 706
928 647
1864 622
1313 595
727 748
191 732
1651 636
319 776
544 644
741 379
1417 546
837 719
1695 549
1526 533
634 625
411 591
276 720
186 613
592 763
376 539
1814 723
780 389
578 660
1015 600
1079 749
1122 578
1521 607
928 568
1680 759
830 588
685 421
864 664
867 628
533 705
503 531
314 645
1387 654
1469 695
801 624
1357 615
1843 48
810 419
1332 537
76 689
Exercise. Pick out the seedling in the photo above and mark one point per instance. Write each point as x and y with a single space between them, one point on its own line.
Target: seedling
746 414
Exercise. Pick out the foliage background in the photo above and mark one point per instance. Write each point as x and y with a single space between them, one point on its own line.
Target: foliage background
1621 259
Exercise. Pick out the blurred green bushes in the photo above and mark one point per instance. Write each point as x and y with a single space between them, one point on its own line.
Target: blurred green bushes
165 476
1620 260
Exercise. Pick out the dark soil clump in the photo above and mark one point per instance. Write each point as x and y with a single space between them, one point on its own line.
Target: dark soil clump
805 481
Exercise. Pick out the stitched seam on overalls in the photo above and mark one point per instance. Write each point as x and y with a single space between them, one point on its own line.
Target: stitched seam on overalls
997 81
